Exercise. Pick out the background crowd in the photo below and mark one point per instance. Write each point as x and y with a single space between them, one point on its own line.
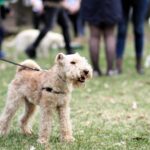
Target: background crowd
107 19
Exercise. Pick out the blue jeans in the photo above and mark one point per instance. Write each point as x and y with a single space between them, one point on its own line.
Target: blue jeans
138 17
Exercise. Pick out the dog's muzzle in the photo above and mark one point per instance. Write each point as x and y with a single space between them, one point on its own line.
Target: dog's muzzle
84 76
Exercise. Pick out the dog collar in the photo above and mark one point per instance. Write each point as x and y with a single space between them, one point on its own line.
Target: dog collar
51 90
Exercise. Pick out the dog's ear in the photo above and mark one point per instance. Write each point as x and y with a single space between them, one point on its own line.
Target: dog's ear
59 58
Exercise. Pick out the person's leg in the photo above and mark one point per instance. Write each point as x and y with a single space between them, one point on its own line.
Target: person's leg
35 20
1 36
80 25
110 44
121 35
139 14
1 32
73 19
63 22
1 40
94 48
50 17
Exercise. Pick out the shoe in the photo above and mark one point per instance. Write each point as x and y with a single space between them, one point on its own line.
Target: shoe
139 70
112 73
119 65
138 66
31 52
70 51
97 73
2 54
76 46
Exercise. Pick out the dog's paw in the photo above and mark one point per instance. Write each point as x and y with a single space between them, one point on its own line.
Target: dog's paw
3 130
68 139
27 131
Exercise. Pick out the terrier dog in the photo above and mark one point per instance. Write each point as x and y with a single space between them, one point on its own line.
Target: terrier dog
50 89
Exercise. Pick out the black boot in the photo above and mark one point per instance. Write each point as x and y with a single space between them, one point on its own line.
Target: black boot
119 65
139 67
31 51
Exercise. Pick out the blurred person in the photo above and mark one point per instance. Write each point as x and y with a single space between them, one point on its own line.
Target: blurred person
1 40
102 17
2 16
53 12
74 14
38 14
138 8
73 10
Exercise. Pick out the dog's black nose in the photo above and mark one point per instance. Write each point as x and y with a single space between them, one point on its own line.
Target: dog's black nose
85 72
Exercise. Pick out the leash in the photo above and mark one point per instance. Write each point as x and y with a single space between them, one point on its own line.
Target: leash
11 62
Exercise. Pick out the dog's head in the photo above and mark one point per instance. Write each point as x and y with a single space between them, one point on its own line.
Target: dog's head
75 68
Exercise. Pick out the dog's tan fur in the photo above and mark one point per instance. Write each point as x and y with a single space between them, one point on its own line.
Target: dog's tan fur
31 87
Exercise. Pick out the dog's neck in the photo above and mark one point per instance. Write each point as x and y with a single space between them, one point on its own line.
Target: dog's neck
62 77
60 80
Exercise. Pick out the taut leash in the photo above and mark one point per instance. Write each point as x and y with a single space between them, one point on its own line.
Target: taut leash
14 63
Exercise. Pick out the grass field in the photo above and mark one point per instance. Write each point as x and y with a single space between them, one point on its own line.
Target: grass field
102 113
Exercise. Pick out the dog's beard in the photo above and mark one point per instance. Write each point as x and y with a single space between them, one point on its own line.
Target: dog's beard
77 83
79 79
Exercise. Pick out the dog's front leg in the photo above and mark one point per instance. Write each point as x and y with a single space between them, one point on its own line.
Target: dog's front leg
45 123
65 123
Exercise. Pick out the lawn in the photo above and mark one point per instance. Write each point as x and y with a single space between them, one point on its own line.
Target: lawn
109 113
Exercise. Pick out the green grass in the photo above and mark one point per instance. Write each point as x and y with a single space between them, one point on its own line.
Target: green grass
102 113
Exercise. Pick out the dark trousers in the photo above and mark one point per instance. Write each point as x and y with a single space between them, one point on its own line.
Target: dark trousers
73 18
52 15
1 36
2 15
77 23
139 8
37 19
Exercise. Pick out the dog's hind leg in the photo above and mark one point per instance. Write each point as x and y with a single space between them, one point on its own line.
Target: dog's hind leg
25 124
12 104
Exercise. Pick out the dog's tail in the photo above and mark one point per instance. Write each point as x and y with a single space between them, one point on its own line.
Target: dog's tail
28 63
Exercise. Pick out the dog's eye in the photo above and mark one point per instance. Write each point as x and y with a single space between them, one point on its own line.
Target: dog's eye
73 62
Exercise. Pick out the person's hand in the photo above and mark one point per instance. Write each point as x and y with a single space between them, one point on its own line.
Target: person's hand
38 5
74 9
70 8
